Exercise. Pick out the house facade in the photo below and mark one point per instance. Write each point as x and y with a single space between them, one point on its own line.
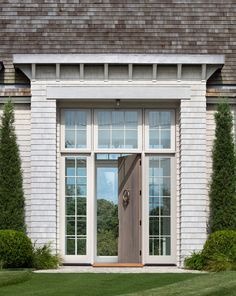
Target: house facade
114 107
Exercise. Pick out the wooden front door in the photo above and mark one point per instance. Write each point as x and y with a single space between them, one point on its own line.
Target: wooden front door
129 209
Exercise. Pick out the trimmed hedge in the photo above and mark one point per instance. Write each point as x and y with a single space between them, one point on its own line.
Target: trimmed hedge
218 254
15 249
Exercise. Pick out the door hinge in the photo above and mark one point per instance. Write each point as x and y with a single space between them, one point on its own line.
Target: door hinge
140 222
140 192
140 162
140 253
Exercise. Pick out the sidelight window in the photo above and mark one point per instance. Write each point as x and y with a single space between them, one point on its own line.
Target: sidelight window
76 205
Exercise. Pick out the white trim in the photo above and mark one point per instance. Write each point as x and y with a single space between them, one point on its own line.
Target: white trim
118 59
124 92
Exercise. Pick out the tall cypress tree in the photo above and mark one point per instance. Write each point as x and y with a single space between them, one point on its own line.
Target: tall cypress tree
223 182
11 182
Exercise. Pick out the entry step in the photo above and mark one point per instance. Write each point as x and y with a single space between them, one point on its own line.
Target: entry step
117 265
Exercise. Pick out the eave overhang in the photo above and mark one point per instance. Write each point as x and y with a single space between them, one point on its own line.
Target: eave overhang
162 59
178 69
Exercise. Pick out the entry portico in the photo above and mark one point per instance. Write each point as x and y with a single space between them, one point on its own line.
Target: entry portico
96 116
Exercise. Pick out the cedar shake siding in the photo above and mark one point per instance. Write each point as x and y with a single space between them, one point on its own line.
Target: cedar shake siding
176 26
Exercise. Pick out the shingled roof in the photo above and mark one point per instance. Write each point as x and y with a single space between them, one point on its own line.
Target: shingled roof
124 26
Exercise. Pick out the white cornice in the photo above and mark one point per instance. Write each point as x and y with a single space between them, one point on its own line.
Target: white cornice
118 59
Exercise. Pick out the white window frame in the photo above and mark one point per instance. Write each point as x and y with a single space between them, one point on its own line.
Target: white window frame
118 150
172 133
88 132
89 213
158 259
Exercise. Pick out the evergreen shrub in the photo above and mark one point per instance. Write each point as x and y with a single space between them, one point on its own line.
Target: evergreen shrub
220 250
223 181
218 254
16 249
11 182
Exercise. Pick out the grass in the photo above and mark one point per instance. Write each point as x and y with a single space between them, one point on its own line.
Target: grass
90 284
13 277
213 284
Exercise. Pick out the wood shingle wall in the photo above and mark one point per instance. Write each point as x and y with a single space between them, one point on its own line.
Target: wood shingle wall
124 26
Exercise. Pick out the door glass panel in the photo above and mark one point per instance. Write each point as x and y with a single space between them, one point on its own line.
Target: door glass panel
107 207
117 129
159 206
75 210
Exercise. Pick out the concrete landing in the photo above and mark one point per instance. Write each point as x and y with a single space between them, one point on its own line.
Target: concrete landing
91 269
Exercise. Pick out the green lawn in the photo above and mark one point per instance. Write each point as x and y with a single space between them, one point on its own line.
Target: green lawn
221 284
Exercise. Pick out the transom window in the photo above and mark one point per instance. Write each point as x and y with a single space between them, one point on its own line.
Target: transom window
118 130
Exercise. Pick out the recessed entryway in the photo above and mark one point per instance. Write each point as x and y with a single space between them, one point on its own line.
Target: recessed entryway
118 200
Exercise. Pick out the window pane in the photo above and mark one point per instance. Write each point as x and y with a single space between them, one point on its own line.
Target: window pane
70 186
153 226
70 167
81 139
104 139
165 139
81 205
70 205
117 139
70 139
104 119
165 206
70 246
81 225
131 119
165 246
117 120
81 120
81 167
70 225
165 119
153 119
165 226
81 246
69 119
154 139
131 139
154 246
165 166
